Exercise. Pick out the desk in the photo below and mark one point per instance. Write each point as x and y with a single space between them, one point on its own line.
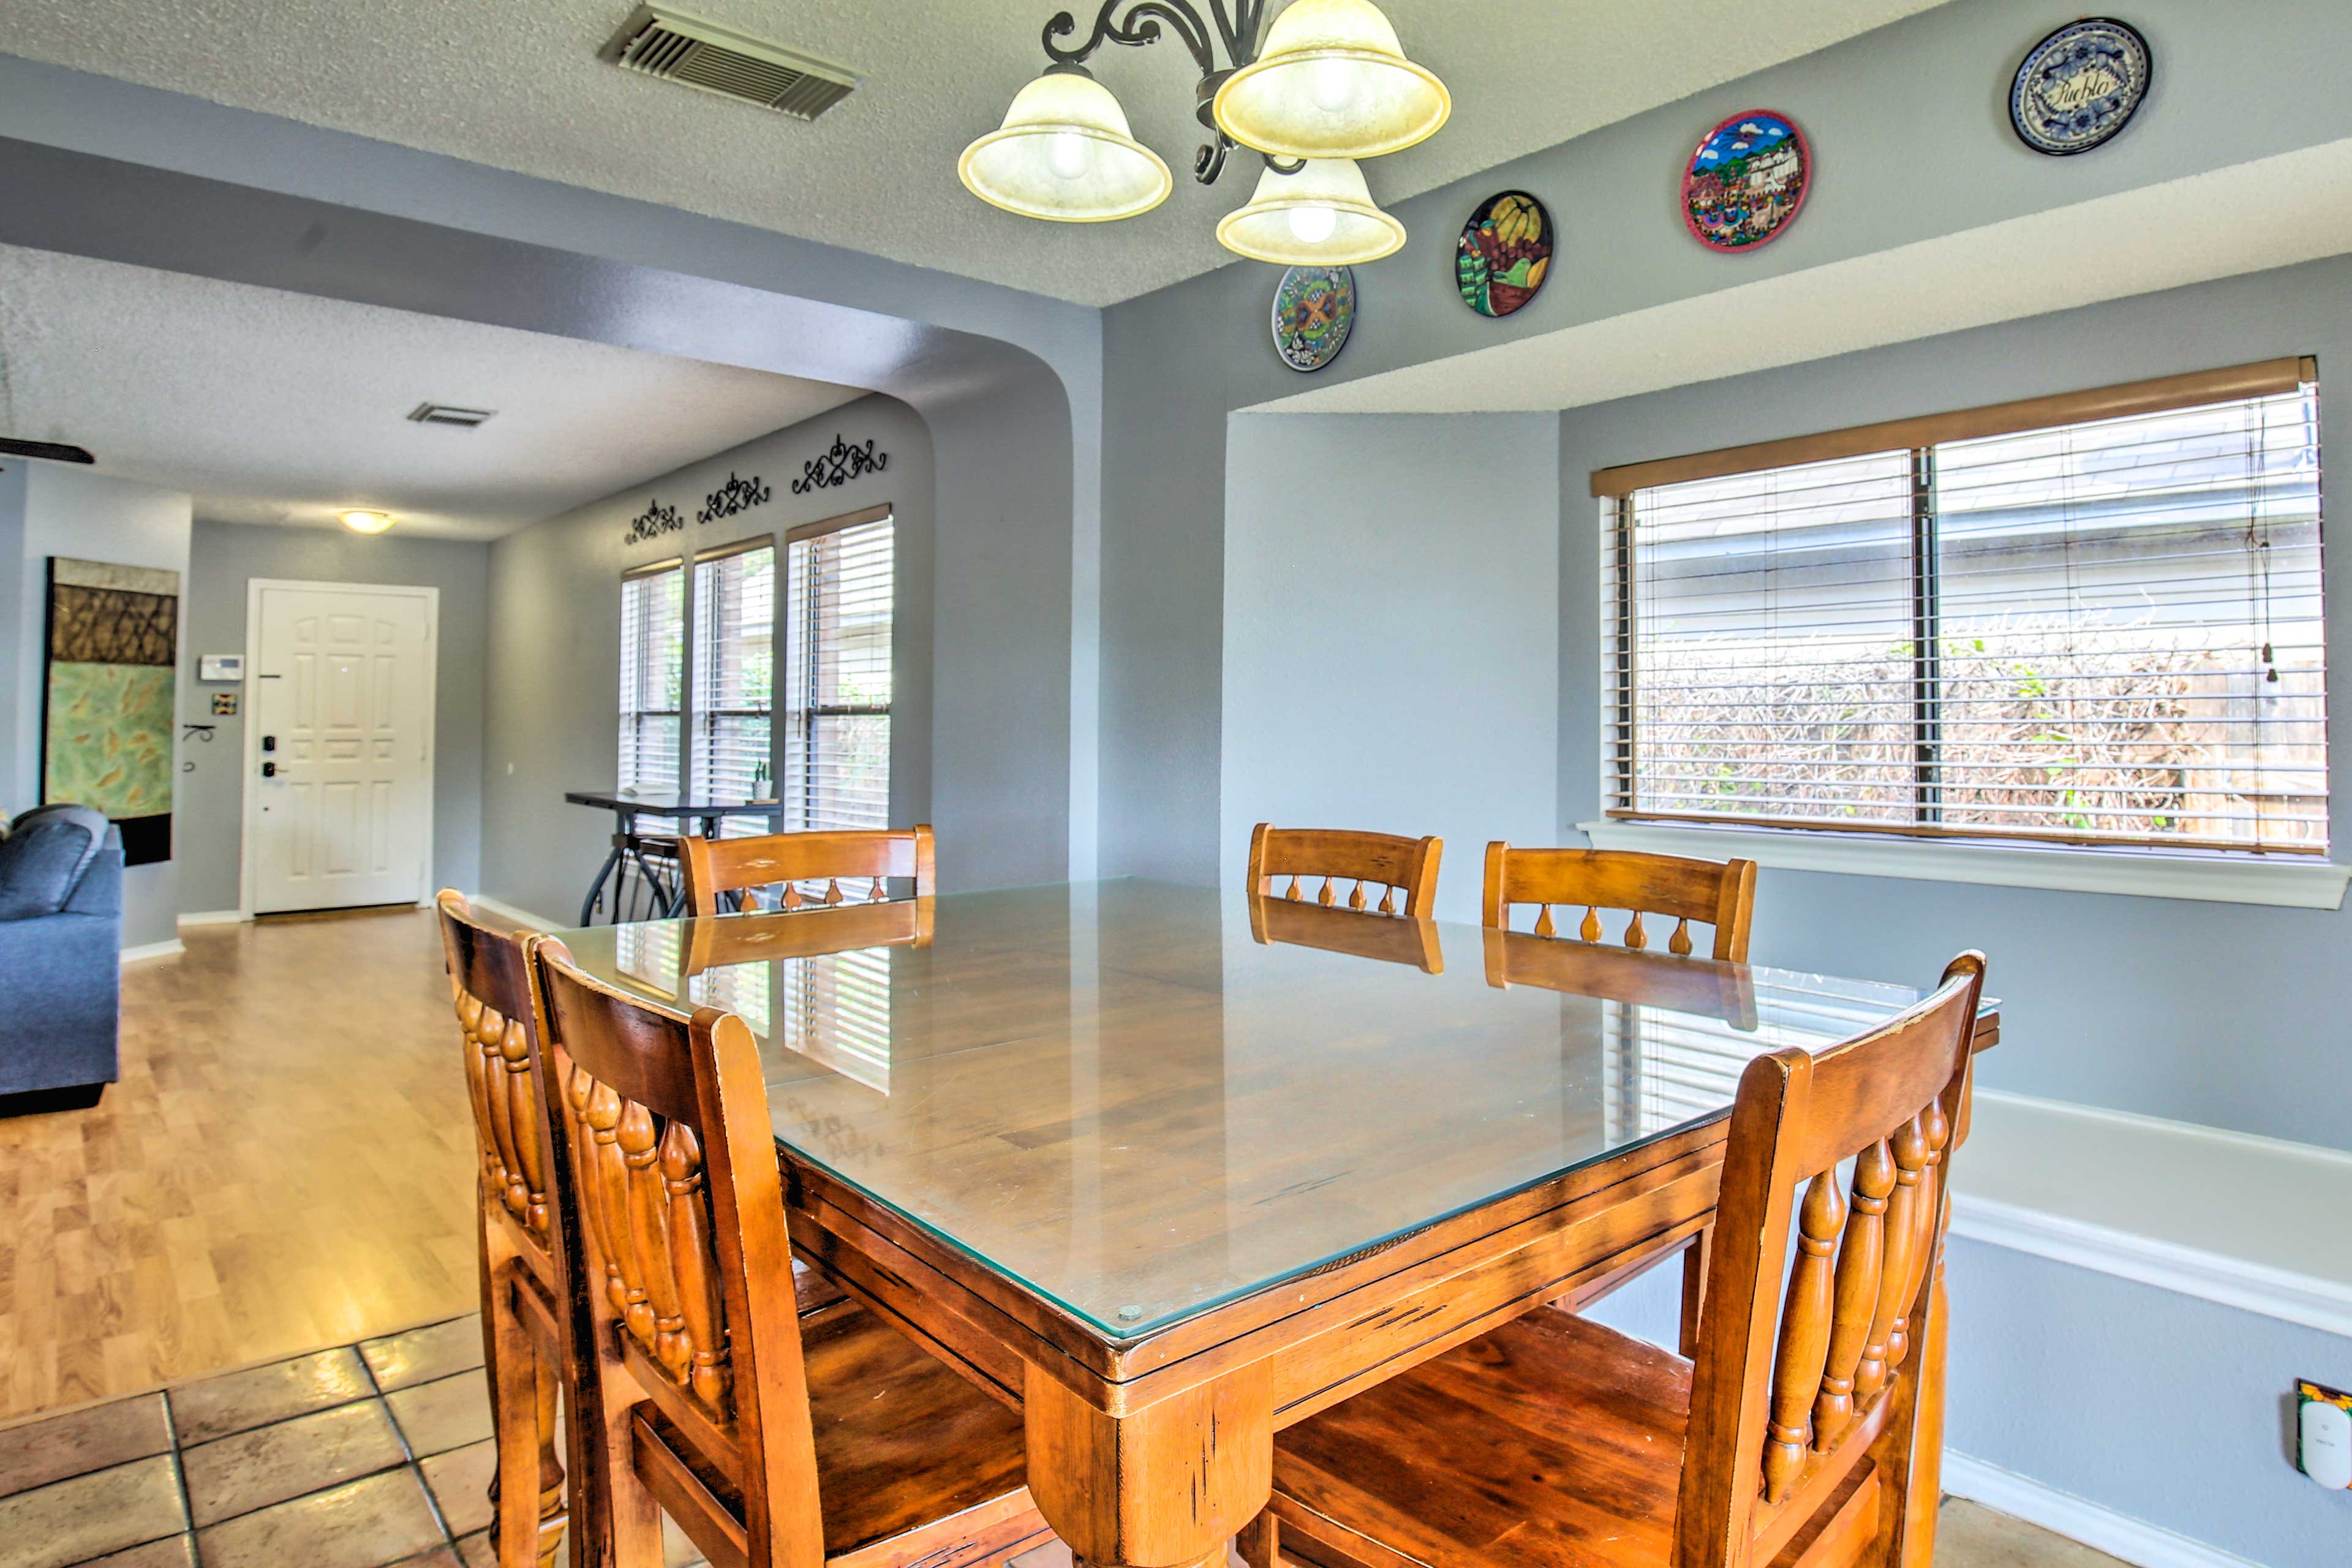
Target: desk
663 887
1167 1169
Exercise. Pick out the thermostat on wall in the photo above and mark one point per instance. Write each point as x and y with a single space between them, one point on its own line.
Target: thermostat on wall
220 667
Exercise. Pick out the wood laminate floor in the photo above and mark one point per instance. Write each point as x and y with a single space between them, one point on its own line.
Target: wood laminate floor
286 1164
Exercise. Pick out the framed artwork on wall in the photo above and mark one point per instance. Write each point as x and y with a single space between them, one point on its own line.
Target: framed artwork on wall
110 700
1746 181
1505 253
2080 86
1313 311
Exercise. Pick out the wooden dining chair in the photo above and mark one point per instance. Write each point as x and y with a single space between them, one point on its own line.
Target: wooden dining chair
523 1327
1278 922
1396 865
725 874
775 1439
1718 893
1793 1436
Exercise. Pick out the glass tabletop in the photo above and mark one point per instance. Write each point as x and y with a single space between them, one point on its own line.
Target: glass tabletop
1140 1099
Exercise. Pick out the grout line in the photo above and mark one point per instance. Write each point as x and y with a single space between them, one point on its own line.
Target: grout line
180 1474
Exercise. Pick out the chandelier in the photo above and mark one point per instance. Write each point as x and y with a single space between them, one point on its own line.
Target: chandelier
1328 85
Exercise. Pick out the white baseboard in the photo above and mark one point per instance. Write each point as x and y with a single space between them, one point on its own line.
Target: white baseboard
213 918
2077 1519
152 949
516 912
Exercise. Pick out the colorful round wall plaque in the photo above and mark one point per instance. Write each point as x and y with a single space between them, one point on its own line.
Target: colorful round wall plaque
1313 311
2080 86
1505 252
1746 181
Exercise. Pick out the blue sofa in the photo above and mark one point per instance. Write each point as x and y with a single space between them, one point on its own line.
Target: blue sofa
61 963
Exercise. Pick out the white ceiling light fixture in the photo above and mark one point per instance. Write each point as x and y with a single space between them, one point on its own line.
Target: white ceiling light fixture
1332 86
1321 216
1332 81
366 521
1064 153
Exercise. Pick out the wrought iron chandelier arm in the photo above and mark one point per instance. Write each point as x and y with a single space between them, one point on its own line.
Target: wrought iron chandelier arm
1240 29
1139 25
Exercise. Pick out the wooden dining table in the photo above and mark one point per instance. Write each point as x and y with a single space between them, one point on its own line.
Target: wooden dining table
1167 1168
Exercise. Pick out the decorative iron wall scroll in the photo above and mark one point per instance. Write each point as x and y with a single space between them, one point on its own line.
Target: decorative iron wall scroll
840 465
653 523
736 495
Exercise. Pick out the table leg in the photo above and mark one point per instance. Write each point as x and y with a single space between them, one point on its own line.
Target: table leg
1168 1486
596 888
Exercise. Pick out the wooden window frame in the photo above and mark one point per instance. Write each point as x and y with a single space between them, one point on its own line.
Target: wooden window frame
1919 436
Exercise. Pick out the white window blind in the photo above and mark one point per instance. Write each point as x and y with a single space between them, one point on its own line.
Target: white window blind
838 624
2101 632
734 678
653 670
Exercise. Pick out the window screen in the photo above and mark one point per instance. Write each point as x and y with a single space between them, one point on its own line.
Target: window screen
734 678
837 627
2103 632
653 670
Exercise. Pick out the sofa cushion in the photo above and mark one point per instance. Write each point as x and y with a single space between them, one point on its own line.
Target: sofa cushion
44 857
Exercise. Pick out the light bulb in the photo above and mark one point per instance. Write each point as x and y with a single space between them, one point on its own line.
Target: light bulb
1067 154
1313 225
1330 83
366 521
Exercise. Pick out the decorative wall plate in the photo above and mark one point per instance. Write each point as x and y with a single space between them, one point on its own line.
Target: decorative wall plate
1505 252
1313 311
2080 86
1746 181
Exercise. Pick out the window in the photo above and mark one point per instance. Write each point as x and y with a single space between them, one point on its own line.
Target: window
2092 620
837 623
653 675
734 678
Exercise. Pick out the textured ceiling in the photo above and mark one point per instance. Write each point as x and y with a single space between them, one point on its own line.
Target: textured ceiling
2273 212
283 408
516 85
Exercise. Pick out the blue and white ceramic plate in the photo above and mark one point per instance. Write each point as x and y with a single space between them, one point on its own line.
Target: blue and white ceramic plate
2080 86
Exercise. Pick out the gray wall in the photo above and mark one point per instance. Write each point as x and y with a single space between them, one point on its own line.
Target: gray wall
1008 382
1393 632
73 511
2101 1006
222 558
15 683
554 649
1177 361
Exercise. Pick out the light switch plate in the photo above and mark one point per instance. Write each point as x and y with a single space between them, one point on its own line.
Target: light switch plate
2324 1434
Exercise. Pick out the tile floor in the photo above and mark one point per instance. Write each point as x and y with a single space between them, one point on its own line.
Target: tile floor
379 1454
368 1454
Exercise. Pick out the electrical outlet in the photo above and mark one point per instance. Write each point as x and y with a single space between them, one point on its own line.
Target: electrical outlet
2323 1448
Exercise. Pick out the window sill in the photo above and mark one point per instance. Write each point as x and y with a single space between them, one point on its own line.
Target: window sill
2290 882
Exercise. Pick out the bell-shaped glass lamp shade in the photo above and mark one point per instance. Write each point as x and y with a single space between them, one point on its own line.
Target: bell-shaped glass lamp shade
1063 153
1331 83
1321 216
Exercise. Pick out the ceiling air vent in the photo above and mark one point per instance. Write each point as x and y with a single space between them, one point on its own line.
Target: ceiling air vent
660 42
443 414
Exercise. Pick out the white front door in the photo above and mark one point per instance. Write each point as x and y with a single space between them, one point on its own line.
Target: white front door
340 746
